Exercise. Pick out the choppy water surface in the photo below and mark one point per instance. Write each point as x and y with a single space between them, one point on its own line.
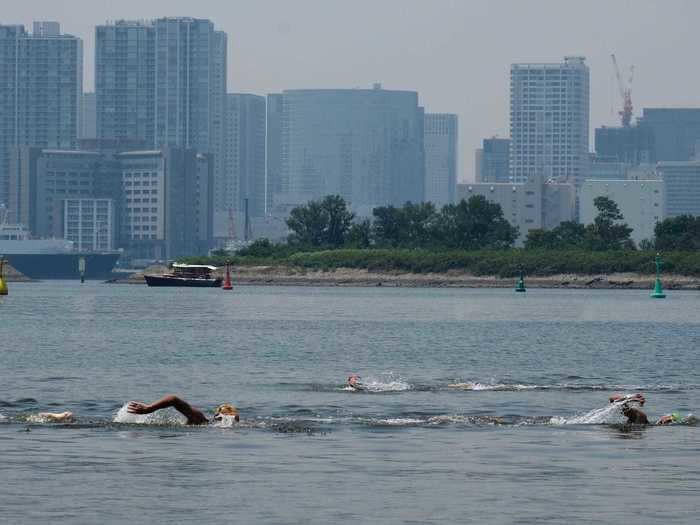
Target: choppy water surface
482 406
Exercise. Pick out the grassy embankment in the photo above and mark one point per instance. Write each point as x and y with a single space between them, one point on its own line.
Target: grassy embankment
501 263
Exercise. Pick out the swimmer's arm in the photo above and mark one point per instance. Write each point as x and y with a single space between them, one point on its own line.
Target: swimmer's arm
194 416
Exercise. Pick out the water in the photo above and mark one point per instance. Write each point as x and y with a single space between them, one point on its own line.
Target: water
525 434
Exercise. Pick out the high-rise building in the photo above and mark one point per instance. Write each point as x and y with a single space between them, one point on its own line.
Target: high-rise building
164 81
245 163
549 112
675 132
440 142
631 145
681 187
125 66
273 172
363 144
41 85
492 161
88 117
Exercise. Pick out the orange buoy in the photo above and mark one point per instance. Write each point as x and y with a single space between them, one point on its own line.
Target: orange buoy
227 281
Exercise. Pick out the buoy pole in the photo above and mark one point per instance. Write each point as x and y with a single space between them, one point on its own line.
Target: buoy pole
3 283
81 269
227 281
520 285
658 292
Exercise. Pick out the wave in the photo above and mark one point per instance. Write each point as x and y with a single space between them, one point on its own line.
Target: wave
519 387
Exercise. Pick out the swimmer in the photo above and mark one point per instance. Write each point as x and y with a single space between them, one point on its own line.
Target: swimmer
635 416
194 416
355 382
51 417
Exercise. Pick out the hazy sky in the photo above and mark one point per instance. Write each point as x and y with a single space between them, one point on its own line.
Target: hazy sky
456 54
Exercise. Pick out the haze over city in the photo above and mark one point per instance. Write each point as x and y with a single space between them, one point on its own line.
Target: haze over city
455 54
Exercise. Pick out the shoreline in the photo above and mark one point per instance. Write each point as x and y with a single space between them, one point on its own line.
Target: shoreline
285 276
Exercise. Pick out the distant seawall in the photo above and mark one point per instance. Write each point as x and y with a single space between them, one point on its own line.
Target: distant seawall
286 276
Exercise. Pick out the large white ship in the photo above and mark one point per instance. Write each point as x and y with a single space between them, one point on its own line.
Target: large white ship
50 258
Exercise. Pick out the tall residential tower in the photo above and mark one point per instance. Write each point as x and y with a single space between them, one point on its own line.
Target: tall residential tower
549 112
41 85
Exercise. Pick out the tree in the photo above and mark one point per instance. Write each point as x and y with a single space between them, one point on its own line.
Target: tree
568 235
360 235
320 223
680 233
606 233
475 224
409 226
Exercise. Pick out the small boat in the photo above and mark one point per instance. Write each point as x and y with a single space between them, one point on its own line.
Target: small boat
195 275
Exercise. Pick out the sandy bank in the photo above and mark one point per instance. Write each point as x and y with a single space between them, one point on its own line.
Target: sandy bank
283 276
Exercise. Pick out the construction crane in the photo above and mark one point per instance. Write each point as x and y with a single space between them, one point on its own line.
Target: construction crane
625 88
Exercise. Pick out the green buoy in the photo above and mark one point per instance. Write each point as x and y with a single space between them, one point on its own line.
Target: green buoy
520 285
658 292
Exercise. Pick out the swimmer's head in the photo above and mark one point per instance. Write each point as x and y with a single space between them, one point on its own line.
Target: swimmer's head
226 410
676 417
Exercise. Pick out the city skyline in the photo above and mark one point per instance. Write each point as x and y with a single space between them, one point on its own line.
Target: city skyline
386 51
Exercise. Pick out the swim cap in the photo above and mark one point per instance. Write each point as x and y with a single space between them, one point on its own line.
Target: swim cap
676 417
226 410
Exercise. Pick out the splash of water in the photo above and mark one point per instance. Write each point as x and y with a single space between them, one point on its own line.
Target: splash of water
388 382
161 417
611 413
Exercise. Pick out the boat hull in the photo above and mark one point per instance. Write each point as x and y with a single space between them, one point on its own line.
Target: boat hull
166 280
63 265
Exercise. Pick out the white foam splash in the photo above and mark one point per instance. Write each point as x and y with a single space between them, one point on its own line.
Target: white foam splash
161 417
496 386
608 414
388 382
224 421
2 418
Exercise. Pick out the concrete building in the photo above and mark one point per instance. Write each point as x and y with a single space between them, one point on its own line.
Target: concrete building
631 145
168 203
529 205
88 223
164 81
682 187
641 203
245 150
600 168
549 113
440 142
161 200
363 144
42 85
88 117
675 132
492 161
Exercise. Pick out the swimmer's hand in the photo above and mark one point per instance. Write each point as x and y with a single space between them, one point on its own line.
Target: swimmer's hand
639 398
136 407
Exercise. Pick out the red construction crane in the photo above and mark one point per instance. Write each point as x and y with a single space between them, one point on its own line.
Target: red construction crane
625 92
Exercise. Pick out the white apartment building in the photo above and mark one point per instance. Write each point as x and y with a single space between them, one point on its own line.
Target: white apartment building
549 113
89 223
641 203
